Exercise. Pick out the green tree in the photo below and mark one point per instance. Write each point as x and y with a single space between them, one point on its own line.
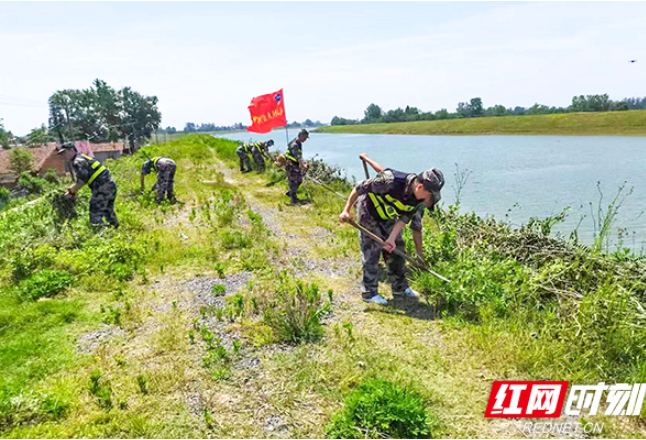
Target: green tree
475 107
538 109
442 114
58 116
412 113
21 160
39 136
140 117
619 106
463 110
343 121
396 115
372 114
102 114
110 107
5 137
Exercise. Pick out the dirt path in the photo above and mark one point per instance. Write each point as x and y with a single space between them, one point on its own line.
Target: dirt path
279 390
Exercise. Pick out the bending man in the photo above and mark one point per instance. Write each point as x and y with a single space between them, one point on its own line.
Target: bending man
385 205
104 189
165 169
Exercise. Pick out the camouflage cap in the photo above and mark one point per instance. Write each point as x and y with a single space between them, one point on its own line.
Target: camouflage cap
433 181
66 146
304 132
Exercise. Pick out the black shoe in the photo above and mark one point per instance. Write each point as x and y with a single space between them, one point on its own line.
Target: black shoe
246 171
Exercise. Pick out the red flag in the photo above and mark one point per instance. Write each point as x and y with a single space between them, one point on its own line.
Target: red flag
267 112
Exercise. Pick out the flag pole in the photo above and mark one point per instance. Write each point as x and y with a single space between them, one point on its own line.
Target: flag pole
286 136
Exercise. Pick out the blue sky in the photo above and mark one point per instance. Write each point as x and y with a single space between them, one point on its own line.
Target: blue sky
205 61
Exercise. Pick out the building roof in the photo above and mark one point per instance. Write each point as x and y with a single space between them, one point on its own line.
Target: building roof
40 156
117 146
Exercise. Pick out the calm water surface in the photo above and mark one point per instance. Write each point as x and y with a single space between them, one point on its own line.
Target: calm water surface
512 177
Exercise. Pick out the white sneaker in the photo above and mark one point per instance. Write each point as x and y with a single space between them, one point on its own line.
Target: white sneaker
409 293
377 299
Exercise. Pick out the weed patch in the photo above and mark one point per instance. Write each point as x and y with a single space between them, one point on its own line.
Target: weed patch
382 409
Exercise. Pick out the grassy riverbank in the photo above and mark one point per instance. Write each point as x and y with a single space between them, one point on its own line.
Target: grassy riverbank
235 315
626 123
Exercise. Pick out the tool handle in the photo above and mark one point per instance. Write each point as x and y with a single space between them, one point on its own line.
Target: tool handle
365 168
404 255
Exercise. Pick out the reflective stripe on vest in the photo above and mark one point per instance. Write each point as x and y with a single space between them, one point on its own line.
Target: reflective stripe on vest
155 160
95 165
391 208
289 156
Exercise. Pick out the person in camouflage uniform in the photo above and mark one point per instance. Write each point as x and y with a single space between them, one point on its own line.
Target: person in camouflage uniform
258 150
243 151
165 184
385 204
104 189
294 164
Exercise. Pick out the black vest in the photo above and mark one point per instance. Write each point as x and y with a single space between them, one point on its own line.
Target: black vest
395 203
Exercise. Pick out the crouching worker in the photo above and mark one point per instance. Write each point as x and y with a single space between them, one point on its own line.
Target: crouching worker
104 189
385 205
165 169
243 151
258 152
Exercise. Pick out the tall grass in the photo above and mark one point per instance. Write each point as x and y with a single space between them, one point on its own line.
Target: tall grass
77 271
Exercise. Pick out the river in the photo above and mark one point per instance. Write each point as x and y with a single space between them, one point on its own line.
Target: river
510 177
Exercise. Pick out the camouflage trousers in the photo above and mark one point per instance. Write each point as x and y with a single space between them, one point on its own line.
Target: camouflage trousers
294 179
258 160
165 184
102 204
371 250
245 163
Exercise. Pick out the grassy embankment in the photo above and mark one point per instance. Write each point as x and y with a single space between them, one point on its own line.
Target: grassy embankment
210 319
626 123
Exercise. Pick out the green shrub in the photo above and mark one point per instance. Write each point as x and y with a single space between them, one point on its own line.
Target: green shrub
32 408
381 409
51 176
142 382
232 239
32 184
28 260
4 196
224 209
218 289
295 312
21 160
45 283
101 389
119 258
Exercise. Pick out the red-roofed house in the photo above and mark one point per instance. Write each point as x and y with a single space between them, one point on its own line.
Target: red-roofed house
46 158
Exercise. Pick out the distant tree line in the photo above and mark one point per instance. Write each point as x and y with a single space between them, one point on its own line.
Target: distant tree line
475 108
193 128
305 123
